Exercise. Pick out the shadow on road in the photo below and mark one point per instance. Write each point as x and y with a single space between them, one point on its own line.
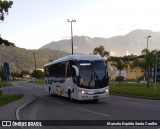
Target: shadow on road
60 98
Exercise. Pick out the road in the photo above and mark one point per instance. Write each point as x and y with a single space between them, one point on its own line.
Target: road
112 108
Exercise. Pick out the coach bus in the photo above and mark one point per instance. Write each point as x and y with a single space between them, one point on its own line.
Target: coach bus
79 77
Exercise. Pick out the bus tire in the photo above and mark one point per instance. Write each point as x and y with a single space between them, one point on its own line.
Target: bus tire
70 95
50 92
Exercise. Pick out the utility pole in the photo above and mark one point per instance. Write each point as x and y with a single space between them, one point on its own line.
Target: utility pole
147 40
71 32
35 60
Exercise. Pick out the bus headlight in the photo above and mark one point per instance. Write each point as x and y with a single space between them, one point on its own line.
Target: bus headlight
83 92
107 90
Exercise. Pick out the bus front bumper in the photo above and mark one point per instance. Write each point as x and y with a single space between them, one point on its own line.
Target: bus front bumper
92 96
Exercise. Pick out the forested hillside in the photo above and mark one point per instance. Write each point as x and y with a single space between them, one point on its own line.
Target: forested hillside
131 43
23 59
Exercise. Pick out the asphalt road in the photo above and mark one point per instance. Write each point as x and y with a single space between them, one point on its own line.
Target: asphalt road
112 108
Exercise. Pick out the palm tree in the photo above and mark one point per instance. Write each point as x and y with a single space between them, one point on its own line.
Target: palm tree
101 51
148 63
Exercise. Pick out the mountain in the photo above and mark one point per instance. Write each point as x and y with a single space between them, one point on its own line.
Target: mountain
23 59
133 43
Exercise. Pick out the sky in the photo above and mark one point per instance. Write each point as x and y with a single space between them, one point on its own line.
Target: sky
31 24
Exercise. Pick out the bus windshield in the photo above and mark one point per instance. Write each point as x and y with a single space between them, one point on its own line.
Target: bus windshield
92 75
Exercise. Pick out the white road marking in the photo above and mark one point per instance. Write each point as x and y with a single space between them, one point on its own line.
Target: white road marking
93 112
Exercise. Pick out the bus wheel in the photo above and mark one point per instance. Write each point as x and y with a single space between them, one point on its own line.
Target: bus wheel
70 95
50 92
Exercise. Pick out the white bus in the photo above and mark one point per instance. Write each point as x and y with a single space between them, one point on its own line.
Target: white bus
79 77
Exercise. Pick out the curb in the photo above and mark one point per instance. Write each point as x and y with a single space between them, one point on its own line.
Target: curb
23 107
140 97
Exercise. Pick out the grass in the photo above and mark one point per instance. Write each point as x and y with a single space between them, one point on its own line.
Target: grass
135 89
3 83
38 81
4 99
125 88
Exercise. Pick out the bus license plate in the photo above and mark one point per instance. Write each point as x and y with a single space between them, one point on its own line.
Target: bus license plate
95 97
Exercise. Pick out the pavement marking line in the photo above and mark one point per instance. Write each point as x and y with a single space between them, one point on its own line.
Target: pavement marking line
93 112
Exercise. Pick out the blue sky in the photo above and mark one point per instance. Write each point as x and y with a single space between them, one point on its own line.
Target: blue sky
34 23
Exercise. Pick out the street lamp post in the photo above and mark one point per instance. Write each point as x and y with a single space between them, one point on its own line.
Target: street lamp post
71 32
147 40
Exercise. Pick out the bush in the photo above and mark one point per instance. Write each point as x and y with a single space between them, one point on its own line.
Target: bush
119 78
38 74
0 92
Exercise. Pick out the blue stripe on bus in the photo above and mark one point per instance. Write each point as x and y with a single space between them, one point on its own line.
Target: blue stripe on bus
89 61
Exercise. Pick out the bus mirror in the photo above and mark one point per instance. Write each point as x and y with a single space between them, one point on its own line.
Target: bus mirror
76 70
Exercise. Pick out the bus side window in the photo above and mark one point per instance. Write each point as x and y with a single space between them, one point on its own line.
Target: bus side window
67 70
72 62
73 72
51 70
46 71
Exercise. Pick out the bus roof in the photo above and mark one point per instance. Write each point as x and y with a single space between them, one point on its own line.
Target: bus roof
78 57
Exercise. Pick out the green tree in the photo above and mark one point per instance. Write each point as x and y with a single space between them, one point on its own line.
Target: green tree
6 42
101 51
120 65
25 72
1 72
4 8
14 74
38 74
148 62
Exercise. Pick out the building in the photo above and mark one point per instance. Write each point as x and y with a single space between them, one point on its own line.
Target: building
127 73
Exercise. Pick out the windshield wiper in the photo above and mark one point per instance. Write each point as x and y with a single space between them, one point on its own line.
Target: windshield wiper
99 81
90 80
